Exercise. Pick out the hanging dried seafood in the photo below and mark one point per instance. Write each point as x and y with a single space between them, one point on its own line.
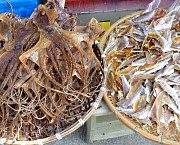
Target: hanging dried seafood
49 73
143 67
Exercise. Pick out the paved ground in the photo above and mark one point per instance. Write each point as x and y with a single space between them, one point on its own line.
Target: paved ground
79 138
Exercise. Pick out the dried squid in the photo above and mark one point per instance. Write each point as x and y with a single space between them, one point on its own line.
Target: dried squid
143 60
48 71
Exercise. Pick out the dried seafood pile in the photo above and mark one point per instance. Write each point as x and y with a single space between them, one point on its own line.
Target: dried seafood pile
143 60
49 71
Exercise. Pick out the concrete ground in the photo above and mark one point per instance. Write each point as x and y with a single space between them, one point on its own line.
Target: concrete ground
79 138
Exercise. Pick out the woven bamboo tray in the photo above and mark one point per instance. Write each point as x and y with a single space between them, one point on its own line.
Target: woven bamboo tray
149 133
87 109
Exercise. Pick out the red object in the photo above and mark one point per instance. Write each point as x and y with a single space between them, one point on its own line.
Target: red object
110 5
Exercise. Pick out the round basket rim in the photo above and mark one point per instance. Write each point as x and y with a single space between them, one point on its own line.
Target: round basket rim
70 129
119 115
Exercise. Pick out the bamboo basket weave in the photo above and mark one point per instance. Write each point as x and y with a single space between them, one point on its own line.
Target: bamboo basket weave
149 132
86 110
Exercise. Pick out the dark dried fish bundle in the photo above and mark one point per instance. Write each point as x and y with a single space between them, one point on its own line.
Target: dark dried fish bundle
48 71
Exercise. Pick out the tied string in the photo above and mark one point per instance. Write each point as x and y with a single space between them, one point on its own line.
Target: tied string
12 11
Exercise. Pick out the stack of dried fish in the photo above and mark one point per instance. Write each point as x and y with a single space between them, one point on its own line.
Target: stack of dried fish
48 71
143 60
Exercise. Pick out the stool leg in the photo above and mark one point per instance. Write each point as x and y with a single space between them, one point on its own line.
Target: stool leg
91 126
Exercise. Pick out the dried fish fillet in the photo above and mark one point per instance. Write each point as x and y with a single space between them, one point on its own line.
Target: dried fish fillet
148 71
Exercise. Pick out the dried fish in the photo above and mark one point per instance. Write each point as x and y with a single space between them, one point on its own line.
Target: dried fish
149 70
171 91
125 85
133 96
142 114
